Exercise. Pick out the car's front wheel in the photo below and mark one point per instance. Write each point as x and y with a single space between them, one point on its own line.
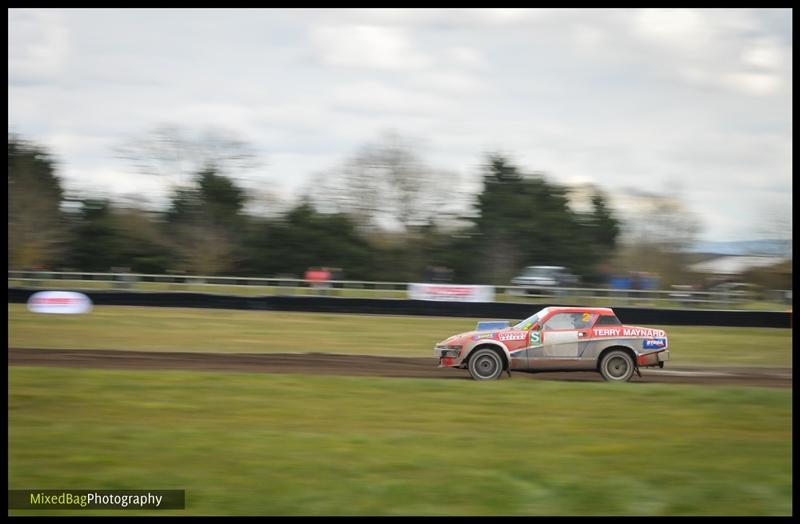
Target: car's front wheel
485 364
617 366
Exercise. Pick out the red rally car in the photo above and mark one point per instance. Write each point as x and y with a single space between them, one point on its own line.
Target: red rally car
556 339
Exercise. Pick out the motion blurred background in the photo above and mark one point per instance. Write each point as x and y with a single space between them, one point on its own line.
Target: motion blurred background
581 156
389 143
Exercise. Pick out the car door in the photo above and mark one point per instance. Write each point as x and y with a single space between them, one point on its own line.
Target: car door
560 343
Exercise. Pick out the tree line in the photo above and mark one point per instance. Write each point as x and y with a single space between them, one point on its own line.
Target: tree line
383 215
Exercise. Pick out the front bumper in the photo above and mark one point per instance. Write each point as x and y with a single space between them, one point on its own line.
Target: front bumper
448 357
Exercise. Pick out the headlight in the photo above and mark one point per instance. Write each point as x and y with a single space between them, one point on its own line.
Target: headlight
449 350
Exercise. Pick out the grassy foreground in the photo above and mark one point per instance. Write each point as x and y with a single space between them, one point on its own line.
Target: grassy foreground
232 331
269 444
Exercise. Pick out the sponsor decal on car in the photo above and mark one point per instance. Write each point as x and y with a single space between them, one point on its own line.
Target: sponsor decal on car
628 332
482 336
643 332
512 335
536 338
607 332
654 343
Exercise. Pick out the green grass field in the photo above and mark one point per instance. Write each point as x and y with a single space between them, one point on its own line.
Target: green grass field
261 444
232 331
266 444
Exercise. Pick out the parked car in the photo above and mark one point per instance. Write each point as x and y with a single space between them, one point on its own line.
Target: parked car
556 339
684 293
542 278
738 291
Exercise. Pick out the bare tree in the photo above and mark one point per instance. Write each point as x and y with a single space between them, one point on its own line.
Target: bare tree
176 154
658 231
657 219
386 184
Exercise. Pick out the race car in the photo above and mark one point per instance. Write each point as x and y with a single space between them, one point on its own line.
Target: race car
556 339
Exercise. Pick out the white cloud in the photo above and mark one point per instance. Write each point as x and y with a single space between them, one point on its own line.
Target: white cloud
682 28
435 17
465 56
763 53
718 49
616 97
367 46
449 83
753 83
749 83
38 45
509 15
92 181
381 98
588 37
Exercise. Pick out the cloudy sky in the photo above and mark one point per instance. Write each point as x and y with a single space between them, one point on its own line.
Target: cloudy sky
694 103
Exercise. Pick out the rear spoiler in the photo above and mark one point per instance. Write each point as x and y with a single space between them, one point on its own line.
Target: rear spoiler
489 325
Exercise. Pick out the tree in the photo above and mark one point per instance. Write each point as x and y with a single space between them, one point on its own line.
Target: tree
657 238
95 244
305 238
174 153
35 221
212 197
143 245
604 225
526 220
206 220
105 237
602 230
386 185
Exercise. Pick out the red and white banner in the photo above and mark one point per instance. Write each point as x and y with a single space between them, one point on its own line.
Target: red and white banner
451 292
64 302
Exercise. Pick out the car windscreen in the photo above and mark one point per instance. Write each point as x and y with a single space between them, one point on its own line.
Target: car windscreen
531 320
539 272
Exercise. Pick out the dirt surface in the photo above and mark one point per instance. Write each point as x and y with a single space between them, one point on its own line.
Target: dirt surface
360 365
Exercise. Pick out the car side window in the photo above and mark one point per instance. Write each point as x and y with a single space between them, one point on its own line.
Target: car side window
583 320
563 321
559 321
608 320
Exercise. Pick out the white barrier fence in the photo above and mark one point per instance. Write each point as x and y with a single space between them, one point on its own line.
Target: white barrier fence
367 289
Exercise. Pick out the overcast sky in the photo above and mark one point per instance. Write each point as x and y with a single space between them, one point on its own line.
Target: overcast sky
689 102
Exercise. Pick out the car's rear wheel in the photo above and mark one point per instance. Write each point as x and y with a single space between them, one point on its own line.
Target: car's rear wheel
617 366
485 364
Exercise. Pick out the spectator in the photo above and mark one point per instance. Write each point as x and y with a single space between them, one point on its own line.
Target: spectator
318 278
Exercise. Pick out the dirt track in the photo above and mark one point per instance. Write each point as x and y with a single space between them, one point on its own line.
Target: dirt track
360 365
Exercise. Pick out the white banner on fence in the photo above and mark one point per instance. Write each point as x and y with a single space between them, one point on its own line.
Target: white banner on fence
451 292
59 302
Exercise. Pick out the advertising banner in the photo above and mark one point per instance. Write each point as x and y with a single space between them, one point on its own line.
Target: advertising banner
451 292
63 302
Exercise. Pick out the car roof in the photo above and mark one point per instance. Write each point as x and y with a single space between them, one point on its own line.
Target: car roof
598 310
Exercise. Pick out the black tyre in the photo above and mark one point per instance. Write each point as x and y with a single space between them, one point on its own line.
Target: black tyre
485 364
617 366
